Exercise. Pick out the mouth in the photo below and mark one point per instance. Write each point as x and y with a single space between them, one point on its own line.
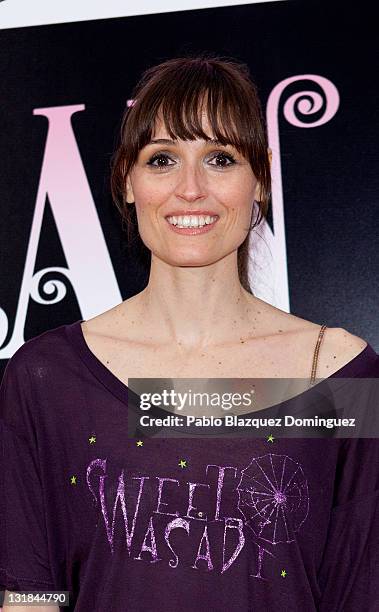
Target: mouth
192 224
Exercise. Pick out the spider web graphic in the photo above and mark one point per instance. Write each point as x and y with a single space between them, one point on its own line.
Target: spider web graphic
273 497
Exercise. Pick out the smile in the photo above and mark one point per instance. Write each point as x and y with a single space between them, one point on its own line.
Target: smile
192 224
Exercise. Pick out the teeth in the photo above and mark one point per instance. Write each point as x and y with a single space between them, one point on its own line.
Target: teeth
191 220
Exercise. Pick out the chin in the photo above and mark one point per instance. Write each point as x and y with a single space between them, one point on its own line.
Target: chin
190 260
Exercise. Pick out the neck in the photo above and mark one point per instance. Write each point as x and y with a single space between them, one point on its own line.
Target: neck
196 307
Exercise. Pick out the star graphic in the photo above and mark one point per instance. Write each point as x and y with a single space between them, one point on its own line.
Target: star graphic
283 573
182 463
92 439
270 438
73 480
139 443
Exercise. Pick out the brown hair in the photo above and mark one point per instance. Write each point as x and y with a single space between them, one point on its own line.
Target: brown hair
178 88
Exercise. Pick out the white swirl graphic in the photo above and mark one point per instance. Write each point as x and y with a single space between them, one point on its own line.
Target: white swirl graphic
297 110
54 287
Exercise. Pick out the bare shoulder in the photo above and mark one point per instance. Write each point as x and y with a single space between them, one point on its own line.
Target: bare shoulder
299 338
338 348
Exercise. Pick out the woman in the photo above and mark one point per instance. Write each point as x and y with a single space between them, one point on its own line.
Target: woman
159 524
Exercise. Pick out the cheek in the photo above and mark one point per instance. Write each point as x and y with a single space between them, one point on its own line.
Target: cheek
238 193
240 217
145 205
241 206
149 198
148 204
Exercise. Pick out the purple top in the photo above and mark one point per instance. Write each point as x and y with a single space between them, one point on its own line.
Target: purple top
174 524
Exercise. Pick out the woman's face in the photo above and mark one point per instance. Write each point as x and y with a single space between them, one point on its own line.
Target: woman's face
207 187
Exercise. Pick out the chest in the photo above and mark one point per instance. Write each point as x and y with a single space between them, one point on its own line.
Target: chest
258 359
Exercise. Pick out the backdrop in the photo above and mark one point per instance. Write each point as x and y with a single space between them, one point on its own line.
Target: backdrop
64 87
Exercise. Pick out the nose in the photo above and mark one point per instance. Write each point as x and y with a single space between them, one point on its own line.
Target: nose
191 184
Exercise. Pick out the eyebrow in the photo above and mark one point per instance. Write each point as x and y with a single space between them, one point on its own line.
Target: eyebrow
166 141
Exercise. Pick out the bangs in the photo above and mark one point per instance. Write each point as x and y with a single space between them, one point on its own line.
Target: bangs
182 101
184 119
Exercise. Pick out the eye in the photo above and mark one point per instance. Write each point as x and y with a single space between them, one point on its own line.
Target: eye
222 157
161 158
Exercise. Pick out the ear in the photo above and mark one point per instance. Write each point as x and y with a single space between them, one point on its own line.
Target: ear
129 191
258 192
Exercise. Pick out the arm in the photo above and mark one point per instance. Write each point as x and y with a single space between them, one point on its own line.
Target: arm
349 572
25 564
